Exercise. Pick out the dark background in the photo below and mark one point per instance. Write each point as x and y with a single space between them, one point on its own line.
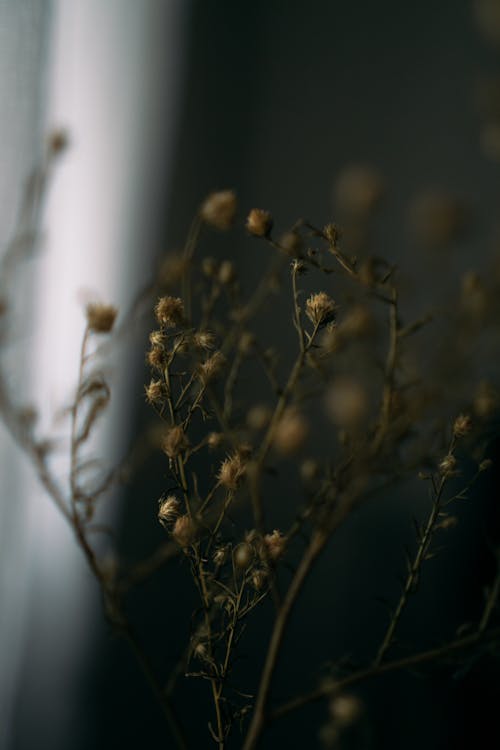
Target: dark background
279 97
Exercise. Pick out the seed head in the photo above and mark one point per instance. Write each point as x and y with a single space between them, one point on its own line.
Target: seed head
259 222
231 471
259 579
174 442
275 544
320 309
220 555
101 318
169 312
243 556
448 465
218 209
156 357
154 391
462 426
184 531
168 510
212 367
204 340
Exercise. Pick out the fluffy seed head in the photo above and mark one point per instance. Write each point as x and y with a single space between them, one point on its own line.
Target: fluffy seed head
275 544
101 318
219 208
212 367
320 309
154 391
231 471
155 357
259 222
204 340
169 312
448 465
168 509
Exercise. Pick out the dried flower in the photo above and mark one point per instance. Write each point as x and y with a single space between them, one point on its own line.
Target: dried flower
168 510
448 465
154 391
219 209
204 340
169 312
243 556
320 309
258 579
175 441
212 367
220 556
462 426
156 357
275 544
259 222
156 338
184 532
101 318
290 432
231 471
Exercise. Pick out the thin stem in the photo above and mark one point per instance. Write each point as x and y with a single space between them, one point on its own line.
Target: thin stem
422 657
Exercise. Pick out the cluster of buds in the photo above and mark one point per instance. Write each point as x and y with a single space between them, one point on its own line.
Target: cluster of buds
321 309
